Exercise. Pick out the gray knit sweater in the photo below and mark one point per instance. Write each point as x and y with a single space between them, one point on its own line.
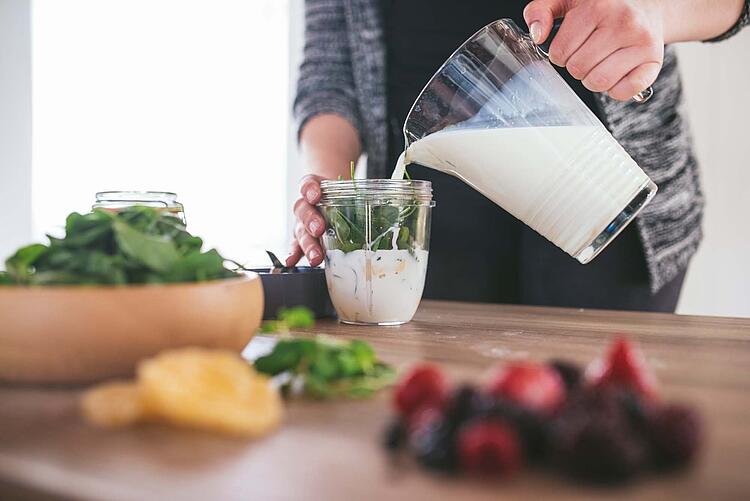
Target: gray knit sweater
343 72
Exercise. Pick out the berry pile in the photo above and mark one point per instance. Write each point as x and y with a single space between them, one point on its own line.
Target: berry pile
605 424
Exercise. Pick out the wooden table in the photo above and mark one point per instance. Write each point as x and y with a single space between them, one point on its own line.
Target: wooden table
330 450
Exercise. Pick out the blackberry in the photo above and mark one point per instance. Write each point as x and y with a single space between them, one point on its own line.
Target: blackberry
601 450
676 434
434 446
394 435
465 402
569 372
635 409
594 439
532 427
601 400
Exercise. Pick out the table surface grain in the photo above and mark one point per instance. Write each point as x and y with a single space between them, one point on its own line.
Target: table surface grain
330 450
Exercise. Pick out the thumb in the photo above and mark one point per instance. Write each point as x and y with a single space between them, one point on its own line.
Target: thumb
540 14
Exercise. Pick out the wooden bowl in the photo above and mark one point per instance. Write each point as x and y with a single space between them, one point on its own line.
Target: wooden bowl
77 334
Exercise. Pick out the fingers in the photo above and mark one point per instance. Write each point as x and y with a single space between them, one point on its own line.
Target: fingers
636 81
540 14
309 244
310 226
310 223
614 68
309 188
310 217
295 254
611 46
574 32
597 48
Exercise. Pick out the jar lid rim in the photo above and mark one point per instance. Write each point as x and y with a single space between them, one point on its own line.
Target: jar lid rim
117 194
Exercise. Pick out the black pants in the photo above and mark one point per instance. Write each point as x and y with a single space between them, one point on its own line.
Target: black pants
478 252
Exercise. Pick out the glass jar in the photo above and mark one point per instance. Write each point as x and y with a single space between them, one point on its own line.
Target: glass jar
376 246
118 200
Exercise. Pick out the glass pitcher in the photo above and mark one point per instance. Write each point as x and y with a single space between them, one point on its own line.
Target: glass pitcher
498 116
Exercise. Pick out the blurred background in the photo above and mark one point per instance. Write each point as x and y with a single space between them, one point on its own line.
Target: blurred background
194 96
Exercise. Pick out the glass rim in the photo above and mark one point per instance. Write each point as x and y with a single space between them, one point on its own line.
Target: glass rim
507 22
376 191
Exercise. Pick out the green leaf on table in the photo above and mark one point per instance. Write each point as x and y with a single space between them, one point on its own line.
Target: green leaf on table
327 367
347 364
286 355
324 363
317 387
298 317
364 354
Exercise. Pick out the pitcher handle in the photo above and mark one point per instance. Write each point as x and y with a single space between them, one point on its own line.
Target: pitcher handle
543 49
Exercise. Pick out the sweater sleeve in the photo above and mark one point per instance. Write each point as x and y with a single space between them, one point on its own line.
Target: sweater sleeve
742 21
326 81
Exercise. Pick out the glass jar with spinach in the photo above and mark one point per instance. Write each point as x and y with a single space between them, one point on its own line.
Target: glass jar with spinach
376 244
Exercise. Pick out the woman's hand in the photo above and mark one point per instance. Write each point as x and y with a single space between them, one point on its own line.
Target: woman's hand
310 223
612 46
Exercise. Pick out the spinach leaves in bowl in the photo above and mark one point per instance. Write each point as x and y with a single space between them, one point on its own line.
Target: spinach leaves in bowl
137 245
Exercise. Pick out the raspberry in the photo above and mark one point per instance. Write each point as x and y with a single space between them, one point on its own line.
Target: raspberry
676 434
423 386
489 448
569 372
535 386
623 366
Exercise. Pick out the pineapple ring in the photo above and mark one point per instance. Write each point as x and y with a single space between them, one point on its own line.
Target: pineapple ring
112 405
211 390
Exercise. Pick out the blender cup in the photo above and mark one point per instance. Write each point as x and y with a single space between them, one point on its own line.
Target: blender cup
498 116
376 247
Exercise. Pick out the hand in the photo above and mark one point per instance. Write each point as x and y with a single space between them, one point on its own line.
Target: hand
310 224
612 46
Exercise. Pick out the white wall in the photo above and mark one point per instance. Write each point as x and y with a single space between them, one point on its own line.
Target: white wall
717 87
195 103
294 165
15 125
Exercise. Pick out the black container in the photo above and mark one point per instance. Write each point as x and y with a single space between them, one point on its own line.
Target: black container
301 286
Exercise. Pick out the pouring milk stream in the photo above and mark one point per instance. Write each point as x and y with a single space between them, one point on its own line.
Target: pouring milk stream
499 117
